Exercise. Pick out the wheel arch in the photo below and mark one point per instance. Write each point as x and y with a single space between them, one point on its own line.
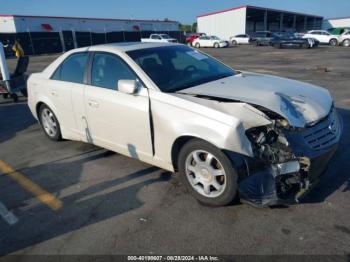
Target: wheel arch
346 39
239 162
37 108
176 147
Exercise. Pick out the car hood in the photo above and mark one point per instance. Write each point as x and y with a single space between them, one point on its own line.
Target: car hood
300 103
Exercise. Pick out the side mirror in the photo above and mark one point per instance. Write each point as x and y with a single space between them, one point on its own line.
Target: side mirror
128 86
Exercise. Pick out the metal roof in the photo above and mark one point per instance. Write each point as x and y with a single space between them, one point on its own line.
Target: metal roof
86 18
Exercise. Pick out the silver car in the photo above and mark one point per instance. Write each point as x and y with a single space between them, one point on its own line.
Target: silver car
229 134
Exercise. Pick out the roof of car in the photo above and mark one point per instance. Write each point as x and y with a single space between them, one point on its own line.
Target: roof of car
124 47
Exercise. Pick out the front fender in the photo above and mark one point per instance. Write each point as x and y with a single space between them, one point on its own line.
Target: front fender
174 117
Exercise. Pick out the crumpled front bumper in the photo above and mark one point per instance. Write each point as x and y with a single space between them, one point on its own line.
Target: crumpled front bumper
262 186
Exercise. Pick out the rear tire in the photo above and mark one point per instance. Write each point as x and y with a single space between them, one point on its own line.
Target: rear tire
333 42
49 123
14 98
207 173
5 96
197 45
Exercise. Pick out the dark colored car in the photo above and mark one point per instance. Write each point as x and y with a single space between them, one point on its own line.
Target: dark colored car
261 38
289 40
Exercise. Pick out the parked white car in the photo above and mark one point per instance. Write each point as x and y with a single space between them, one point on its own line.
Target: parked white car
323 36
240 39
159 38
209 41
263 138
344 39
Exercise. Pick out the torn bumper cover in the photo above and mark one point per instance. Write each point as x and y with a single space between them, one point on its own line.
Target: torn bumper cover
288 181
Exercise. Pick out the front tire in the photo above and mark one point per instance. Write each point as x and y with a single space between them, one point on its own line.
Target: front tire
207 173
346 42
49 123
216 45
234 42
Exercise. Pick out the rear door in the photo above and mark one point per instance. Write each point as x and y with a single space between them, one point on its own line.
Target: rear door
115 120
244 39
66 88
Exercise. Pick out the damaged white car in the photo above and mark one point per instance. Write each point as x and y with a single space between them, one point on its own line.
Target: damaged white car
229 134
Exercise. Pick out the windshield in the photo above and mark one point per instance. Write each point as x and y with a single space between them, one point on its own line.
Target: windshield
165 36
173 68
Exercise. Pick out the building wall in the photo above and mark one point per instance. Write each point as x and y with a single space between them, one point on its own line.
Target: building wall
249 19
224 24
333 23
7 24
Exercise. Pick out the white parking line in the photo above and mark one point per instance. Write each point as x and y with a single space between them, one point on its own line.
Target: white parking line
8 216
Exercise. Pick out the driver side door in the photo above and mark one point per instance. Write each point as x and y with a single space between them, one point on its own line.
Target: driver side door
116 120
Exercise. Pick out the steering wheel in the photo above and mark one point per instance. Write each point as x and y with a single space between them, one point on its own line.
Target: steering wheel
189 70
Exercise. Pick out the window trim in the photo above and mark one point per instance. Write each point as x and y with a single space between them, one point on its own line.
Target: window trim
90 63
59 67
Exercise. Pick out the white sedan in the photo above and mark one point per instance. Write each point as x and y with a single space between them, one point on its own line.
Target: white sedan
263 138
209 41
240 39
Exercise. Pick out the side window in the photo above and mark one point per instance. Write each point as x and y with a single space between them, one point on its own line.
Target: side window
108 69
72 69
156 37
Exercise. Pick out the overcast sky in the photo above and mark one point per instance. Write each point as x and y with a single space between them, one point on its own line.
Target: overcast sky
184 11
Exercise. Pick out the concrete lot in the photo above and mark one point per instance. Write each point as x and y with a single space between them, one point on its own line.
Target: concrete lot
110 204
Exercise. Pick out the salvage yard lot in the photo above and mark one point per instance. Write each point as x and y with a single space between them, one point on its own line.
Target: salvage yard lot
100 202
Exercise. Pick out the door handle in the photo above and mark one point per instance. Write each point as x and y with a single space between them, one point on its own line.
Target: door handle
93 103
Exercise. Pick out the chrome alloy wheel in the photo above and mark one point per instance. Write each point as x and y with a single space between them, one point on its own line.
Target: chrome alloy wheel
205 173
49 122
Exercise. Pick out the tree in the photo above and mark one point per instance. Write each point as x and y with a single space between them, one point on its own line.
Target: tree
185 28
194 27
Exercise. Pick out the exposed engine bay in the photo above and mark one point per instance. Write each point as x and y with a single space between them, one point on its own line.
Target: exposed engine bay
282 176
